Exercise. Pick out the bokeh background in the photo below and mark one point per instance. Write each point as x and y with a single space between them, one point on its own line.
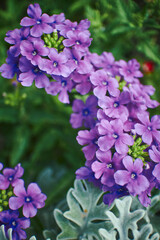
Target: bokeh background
34 126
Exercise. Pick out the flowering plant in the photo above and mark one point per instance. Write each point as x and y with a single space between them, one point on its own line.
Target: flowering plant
121 142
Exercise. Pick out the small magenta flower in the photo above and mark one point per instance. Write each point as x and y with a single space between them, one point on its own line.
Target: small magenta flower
132 177
30 199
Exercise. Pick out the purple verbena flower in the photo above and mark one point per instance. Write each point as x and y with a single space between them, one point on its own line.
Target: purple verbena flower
105 166
148 129
33 50
40 22
114 106
15 37
11 176
88 138
130 71
73 26
132 177
10 68
30 199
83 83
79 40
155 156
103 84
10 219
57 65
84 113
113 135
29 73
62 86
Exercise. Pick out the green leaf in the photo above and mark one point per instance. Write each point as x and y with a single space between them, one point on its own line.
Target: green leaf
85 215
20 144
125 221
149 51
123 11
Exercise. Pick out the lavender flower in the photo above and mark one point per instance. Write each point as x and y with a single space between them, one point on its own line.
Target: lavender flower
132 177
30 199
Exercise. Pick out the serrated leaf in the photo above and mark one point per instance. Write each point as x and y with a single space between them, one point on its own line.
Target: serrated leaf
126 221
85 215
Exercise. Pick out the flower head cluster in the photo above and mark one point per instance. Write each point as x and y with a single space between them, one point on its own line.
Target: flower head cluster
121 144
122 149
13 196
49 50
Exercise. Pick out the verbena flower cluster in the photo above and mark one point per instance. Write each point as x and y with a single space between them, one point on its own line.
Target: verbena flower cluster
18 205
121 143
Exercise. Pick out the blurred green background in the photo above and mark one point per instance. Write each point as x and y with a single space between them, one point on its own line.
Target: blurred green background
34 126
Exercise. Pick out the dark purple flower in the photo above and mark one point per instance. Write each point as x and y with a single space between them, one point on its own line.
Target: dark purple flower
10 68
103 84
57 65
80 40
115 192
148 129
30 199
132 177
62 86
114 106
34 50
87 173
15 37
30 73
11 176
113 134
84 113
41 24
130 71
10 219
88 138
